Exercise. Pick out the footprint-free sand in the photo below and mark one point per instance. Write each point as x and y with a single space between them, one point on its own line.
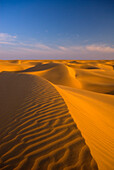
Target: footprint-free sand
56 115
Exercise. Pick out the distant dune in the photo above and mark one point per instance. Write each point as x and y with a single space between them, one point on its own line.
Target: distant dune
56 115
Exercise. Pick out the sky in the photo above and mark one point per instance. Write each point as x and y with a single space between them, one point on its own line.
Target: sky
57 29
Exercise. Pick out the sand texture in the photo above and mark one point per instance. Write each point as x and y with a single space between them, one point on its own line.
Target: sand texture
56 115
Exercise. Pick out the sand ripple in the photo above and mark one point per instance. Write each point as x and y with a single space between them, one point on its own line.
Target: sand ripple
37 130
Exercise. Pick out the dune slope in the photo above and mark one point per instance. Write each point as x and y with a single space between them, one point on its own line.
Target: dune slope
57 73
42 105
36 128
93 113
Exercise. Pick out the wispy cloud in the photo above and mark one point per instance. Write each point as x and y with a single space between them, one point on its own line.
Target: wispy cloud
62 48
95 48
41 46
100 48
71 48
7 37
33 45
11 47
7 43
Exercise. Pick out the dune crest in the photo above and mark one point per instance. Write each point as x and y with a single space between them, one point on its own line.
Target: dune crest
93 113
39 132
56 115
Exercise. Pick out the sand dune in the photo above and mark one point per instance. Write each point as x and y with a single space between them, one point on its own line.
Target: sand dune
56 115
93 114
56 73
14 65
39 132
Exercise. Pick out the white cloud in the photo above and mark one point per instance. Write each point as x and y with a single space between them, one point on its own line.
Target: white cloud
10 46
34 45
100 48
7 43
7 37
41 46
62 48
95 48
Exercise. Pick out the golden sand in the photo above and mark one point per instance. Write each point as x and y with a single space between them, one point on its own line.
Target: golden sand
56 115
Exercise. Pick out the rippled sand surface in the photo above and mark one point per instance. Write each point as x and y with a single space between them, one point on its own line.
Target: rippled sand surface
56 115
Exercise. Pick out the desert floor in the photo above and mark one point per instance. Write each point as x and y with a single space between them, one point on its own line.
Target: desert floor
56 115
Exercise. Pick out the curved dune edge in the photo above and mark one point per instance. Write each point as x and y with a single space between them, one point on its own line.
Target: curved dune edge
39 132
56 73
85 88
93 114
96 76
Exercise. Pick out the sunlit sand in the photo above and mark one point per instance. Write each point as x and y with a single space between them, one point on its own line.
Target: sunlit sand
56 115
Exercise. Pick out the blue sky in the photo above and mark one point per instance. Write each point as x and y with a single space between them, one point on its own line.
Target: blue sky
56 29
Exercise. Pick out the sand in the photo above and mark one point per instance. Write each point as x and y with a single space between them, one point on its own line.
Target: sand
56 115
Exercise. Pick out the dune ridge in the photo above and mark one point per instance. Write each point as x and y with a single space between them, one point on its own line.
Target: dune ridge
39 132
93 114
57 114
